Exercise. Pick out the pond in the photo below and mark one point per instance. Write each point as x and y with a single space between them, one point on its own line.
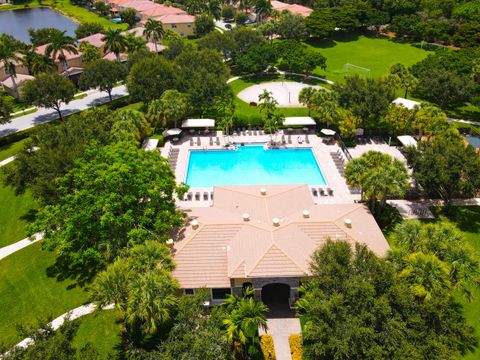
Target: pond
17 22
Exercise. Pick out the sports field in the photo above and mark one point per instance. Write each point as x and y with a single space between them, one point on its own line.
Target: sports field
374 53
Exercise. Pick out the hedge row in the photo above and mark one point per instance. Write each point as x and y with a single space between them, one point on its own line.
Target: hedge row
295 341
268 349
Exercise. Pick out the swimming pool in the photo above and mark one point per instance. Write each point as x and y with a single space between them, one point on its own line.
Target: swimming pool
253 165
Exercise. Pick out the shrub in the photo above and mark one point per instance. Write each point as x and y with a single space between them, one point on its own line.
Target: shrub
295 341
268 349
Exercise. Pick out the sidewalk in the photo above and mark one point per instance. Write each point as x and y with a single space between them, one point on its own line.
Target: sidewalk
420 209
94 98
281 329
19 245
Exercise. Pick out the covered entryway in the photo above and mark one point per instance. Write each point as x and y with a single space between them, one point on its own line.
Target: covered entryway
276 297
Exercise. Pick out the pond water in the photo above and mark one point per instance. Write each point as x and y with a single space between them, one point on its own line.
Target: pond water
17 22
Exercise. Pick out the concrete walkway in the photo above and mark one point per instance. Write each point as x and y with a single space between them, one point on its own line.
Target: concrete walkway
6 161
94 98
420 209
71 315
19 245
281 329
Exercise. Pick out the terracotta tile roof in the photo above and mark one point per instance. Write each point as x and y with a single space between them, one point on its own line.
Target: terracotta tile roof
68 55
225 246
293 8
176 19
161 10
138 5
111 56
20 79
95 40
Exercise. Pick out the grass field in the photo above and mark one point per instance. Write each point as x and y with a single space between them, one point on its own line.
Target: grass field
77 13
9 150
27 293
14 211
247 114
101 329
376 54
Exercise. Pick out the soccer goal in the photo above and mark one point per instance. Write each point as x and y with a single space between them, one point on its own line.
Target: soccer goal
351 69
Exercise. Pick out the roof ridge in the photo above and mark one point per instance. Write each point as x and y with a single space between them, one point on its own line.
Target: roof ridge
240 264
267 251
348 211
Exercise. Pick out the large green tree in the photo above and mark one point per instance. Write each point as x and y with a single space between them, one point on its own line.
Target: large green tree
203 25
103 74
85 29
202 75
115 196
6 108
58 148
368 98
446 168
356 307
150 77
379 176
49 91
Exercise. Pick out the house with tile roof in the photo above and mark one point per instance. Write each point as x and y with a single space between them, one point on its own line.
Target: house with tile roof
264 237
292 8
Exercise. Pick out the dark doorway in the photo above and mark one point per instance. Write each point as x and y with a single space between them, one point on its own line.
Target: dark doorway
276 297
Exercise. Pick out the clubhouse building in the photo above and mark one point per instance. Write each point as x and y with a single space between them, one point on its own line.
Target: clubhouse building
263 237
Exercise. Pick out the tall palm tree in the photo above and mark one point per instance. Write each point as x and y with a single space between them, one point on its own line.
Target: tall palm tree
9 57
262 8
154 31
61 43
115 42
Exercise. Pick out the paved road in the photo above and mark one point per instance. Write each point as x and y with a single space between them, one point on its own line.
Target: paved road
93 98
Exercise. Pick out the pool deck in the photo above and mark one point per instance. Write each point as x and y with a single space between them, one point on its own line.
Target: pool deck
335 181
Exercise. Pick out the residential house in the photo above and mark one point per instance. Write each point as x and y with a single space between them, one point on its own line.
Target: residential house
292 8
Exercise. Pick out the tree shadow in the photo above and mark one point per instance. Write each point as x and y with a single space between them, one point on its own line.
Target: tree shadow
63 270
333 41
388 219
467 218
29 216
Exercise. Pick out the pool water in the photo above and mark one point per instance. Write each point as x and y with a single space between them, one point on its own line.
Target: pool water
253 165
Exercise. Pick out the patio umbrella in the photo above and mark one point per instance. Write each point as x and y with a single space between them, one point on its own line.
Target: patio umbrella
172 132
328 132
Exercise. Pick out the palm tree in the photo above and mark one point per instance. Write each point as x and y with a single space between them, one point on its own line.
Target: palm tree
152 300
115 42
9 57
262 8
305 97
408 235
246 316
214 9
426 274
61 43
325 104
154 31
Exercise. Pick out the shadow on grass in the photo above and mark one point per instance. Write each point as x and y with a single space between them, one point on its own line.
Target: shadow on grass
333 40
63 270
29 216
467 218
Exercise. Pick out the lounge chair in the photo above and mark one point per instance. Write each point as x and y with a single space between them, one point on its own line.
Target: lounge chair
189 196
197 196
211 195
217 141
322 192
307 140
330 191
314 192
289 139
210 141
191 142
205 196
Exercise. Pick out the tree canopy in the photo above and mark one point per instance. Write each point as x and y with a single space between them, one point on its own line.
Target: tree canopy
355 306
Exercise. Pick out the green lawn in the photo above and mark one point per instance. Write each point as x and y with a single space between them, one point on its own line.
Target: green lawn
14 213
79 14
376 54
247 114
27 293
9 150
101 329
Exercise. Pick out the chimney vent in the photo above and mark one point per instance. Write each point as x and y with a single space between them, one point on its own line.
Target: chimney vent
348 223
276 221
263 191
246 217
